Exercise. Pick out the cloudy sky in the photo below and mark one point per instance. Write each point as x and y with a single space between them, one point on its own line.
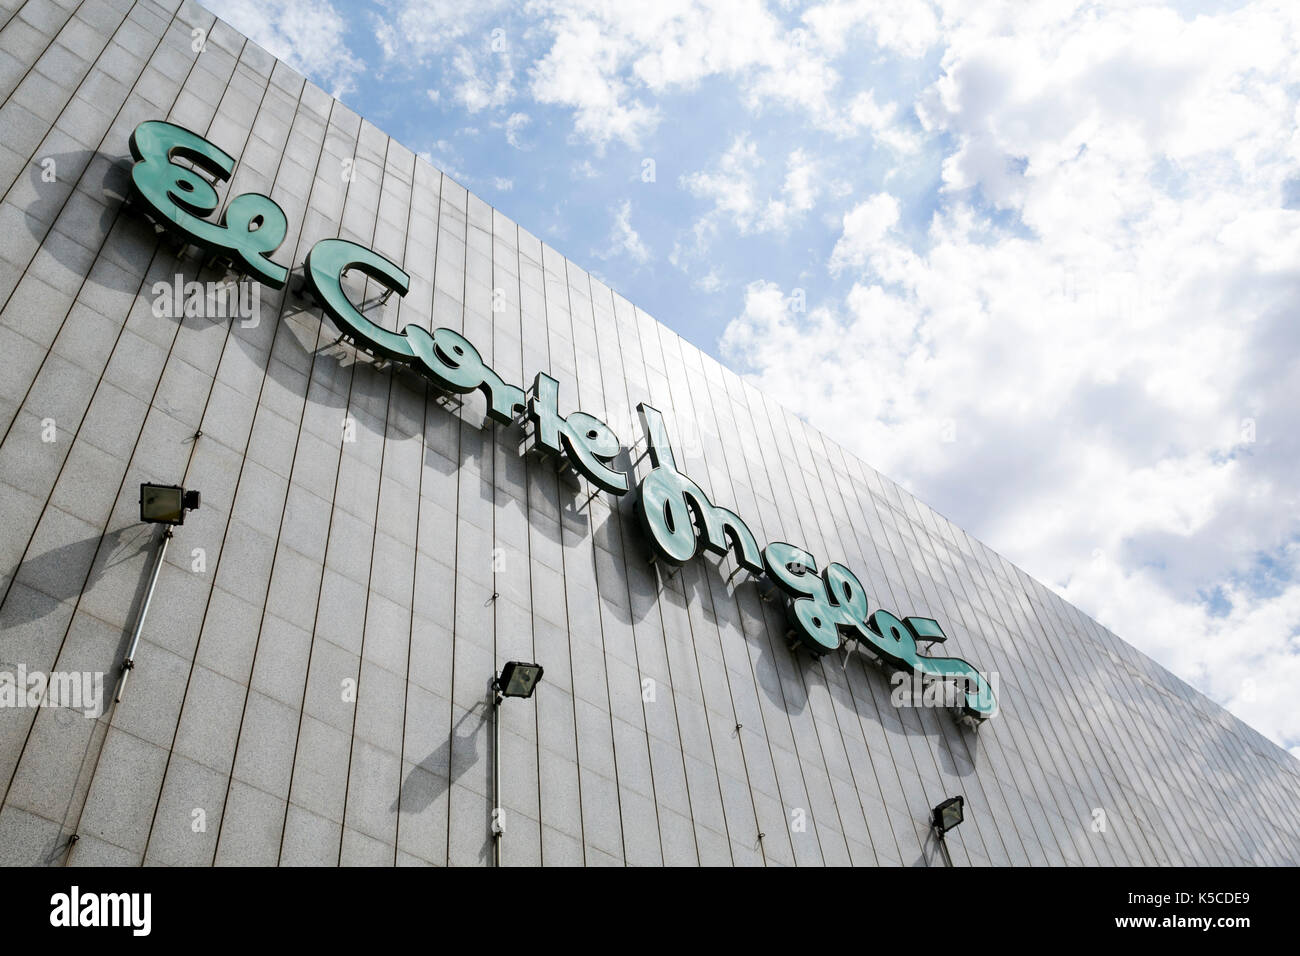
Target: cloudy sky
1045 257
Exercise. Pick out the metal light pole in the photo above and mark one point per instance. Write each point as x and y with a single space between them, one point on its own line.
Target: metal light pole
497 827
943 845
129 663
516 679
166 506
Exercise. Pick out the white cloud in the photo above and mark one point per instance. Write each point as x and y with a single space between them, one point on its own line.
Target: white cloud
732 188
309 35
623 238
611 64
413 31
581 71
486 79
607 61
1106 292
865 228
476 52
906 27
798 192
884 124
709 283
514 125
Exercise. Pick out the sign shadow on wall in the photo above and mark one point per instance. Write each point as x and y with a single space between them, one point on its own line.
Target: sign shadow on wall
105 180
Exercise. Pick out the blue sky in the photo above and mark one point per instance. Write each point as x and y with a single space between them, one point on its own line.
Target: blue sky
459 83
1045 257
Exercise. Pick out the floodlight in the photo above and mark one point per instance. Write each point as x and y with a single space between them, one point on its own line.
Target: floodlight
162 505
948 814
518 679
166 504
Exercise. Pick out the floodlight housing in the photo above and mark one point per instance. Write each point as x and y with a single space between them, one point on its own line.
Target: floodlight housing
166 504
518 679
948 814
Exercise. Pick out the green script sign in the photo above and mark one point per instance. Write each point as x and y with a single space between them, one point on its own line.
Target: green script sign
825 610
253 225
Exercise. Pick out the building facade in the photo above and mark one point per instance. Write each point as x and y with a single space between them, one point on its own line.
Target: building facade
377 537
